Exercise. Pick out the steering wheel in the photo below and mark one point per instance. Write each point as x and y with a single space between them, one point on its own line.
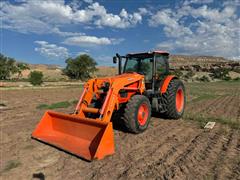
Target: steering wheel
141 72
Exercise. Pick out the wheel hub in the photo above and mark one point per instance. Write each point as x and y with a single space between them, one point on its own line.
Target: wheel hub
179 100
142 116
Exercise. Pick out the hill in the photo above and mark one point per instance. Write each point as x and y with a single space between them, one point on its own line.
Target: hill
199 65
181 60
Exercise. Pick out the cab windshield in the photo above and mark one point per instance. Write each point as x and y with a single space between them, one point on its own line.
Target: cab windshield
141 65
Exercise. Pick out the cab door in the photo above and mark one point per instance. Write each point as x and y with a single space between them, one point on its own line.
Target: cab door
162 66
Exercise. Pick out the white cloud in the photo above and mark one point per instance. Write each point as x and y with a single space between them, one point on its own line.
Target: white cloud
82 52
86 41
143 11
187 2
35 16
98 15
211 31
51 50
88 1
172 27
66 33
235 3
47 16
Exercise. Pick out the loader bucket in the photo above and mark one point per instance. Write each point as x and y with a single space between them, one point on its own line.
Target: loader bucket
84 137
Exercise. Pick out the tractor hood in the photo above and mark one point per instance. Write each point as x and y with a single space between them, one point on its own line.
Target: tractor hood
124 79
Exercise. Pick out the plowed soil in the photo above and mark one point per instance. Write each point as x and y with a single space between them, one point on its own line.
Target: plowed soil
168 149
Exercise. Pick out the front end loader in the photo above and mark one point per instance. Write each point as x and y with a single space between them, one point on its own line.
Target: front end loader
143 86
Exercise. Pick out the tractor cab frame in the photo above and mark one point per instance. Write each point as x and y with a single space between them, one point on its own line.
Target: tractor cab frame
153 65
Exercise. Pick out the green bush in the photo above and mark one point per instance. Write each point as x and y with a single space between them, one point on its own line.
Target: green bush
204 79
36 78
237 79
177 72
221 73
189 74
227 78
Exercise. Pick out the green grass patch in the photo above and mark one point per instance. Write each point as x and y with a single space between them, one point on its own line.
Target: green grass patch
204 97
42 106
63 104
202 120
11 165
74 101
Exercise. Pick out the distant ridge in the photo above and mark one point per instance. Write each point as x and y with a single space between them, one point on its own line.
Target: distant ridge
54 72
179 60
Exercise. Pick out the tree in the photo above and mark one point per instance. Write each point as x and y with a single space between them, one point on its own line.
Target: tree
21 67
7 67
80 67
36 78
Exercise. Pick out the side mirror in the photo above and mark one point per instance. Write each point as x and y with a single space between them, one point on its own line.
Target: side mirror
114 59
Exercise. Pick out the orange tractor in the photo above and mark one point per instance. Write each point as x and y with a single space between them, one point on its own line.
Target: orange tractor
142 87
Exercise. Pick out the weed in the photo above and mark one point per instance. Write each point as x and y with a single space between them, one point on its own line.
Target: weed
74 101
42 106
202 120
11 165
204 97
63 104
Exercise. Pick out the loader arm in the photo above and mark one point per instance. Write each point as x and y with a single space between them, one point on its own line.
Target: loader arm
132 83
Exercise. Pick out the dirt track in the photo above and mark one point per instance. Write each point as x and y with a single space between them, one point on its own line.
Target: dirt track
167 150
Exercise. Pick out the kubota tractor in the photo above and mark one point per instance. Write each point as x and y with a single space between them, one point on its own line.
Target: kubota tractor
142 87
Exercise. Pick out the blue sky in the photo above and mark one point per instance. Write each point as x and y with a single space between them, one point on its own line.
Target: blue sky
49 31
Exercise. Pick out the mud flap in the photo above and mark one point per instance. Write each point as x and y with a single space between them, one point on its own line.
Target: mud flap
84 137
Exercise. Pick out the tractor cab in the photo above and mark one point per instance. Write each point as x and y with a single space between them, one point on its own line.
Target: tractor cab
153 65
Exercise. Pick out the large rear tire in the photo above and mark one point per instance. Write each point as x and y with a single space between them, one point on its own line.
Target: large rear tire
137 114
175 99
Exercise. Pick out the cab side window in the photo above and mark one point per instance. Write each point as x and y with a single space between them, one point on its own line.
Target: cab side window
161 65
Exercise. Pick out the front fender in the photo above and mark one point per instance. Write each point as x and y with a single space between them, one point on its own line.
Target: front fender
166 82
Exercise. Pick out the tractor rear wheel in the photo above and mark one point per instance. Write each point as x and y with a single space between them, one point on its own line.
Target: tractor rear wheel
175 99
137 114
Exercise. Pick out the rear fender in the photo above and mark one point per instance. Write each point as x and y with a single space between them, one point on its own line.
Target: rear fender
165 83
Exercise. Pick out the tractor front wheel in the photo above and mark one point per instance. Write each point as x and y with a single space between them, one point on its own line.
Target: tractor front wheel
137 114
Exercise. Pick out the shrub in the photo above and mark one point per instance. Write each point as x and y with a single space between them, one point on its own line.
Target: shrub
227 78
204 79
189 74
237 79
221 73
36 78
177 72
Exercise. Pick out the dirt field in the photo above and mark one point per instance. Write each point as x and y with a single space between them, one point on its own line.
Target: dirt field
169 149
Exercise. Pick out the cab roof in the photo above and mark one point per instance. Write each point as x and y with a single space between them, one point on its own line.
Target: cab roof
148 53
